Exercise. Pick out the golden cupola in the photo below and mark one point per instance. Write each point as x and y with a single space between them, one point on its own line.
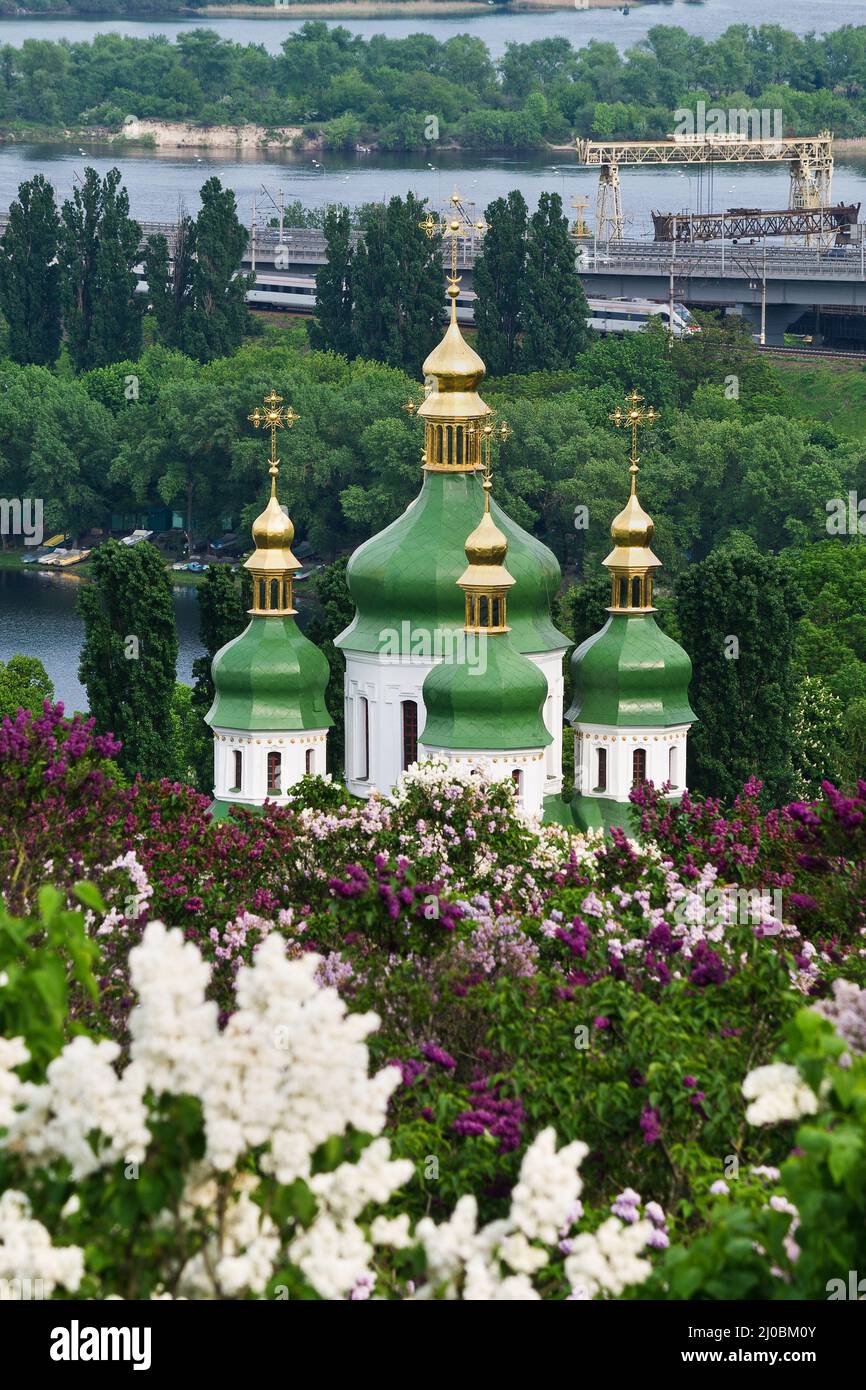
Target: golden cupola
452 410
272 563
632 561
485 580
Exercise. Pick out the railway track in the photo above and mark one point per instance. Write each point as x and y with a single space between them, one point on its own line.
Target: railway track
815 354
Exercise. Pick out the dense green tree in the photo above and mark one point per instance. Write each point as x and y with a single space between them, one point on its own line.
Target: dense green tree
737 613
168 271
24 684
817 737
198 296
554 304
498 279
56 443
332 327
29 275
221 617
97 249
397 286
129 653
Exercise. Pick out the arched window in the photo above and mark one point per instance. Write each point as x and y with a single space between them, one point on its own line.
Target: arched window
496 619
262 593
239 770
517 779
470 610
673 769
309 760
275 772
638 767
483 611
601 770
410 733
275 594
364 739
635 592
623 593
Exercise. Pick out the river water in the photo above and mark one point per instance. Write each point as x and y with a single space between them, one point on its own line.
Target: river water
579 26
38 617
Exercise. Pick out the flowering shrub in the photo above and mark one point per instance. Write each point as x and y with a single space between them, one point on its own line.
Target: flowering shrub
523 980
243 1163
798 1231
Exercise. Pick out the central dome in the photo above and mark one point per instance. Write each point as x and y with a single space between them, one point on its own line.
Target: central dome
409 572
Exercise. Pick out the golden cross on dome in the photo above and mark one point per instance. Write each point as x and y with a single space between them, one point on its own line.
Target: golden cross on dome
274 417
488 432
633 417
456 227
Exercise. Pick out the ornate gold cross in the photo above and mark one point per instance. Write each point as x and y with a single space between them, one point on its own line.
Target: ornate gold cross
633 417
274 417
456 228
488 432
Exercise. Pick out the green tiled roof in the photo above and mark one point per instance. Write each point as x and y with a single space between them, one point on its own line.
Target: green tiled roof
271 677
631 674
409 572
497 704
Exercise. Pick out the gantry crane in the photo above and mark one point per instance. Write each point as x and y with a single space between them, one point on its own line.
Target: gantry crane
810 158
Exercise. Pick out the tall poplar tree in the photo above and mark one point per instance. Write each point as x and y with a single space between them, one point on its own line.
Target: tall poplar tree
98 246
197 292
30 276
129 654
554 304
737 613
498 279
332 329
398 286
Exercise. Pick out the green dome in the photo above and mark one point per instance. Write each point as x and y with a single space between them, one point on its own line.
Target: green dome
630 674
409 571
477 706
271 677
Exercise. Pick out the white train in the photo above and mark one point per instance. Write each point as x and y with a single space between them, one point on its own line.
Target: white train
628 315
297 294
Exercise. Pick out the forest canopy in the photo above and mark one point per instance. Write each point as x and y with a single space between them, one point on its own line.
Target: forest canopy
330 82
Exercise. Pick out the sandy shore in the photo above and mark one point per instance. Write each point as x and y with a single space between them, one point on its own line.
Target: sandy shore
384 9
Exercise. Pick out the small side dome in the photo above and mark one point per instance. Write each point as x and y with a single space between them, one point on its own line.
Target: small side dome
273 529
499 707
632 526
486 545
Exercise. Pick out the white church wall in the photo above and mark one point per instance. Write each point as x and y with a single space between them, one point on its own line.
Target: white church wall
665 751
299 753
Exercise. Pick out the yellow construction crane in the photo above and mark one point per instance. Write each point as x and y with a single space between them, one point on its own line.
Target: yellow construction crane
810 158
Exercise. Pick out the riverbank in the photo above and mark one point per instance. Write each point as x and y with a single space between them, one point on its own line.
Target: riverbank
394 9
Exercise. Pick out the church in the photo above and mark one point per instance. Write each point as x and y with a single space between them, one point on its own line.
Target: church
453 653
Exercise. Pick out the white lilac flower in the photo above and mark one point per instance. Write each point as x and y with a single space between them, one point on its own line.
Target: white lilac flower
82 1093
13 1052
608 1260
777 1093
548 1186
27 1255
